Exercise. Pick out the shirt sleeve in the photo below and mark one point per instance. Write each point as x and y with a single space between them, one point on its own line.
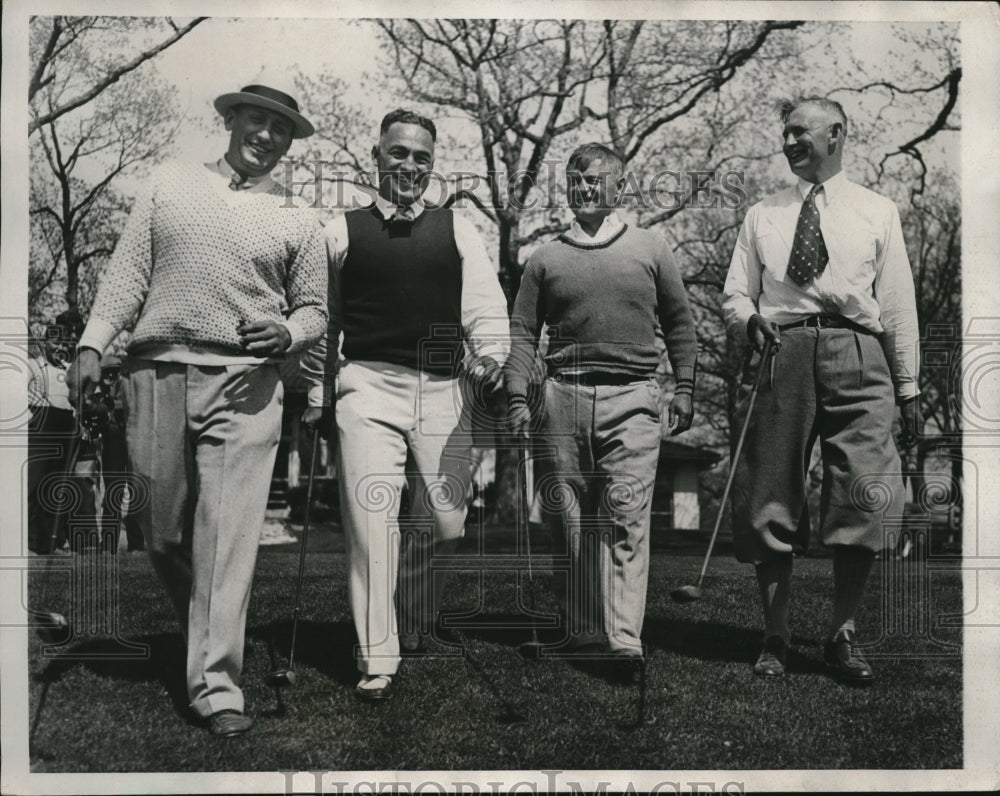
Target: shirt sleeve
318 364
741 292
124 284
484 306
306 289
676 320
898 307
525 325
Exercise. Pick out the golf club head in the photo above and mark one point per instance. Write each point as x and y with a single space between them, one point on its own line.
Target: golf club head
280 678
686 594
531 649
54 628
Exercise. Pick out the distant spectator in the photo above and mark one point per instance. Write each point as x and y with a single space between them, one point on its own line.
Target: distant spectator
51 433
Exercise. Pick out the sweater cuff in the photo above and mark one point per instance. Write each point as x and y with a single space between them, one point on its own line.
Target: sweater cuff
98 335
684 379
516 387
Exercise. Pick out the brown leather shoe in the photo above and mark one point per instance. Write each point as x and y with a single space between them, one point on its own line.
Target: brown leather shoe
845 660
771 661
228 723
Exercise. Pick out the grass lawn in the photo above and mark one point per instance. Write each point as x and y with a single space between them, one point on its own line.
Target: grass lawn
98 705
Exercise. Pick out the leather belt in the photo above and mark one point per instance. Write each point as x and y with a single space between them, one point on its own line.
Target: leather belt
597 379
826 322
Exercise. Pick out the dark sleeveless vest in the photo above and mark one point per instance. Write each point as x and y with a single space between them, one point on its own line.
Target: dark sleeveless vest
401 291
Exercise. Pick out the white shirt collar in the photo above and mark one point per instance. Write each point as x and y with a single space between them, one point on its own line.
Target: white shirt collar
387 208
609 228
249 184
831 186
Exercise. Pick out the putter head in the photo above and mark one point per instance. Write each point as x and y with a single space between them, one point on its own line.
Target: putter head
531 650
54 628
686 594
280 678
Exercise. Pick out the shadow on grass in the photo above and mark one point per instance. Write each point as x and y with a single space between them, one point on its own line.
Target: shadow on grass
327 647
715 641
706 641
165 663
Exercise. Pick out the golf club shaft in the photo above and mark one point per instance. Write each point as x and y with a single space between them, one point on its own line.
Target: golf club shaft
305 538
525 516
765 356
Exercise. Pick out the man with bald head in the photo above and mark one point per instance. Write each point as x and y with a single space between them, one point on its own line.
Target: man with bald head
820 273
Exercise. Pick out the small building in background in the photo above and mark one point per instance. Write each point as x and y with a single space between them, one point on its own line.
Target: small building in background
675 496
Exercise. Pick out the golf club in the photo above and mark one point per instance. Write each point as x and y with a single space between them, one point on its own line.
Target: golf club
285 678
533 648
54 628
688 594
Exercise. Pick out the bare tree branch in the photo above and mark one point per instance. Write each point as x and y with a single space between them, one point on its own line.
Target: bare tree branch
111 78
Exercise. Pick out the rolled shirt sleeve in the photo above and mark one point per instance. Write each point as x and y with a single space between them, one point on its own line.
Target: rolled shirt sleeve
741 291
896 298
484 307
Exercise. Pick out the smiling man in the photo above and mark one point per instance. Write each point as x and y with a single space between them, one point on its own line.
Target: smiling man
218 279
602 288
820 269
425 327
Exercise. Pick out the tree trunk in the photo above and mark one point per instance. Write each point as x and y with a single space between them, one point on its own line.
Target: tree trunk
505 508
72 271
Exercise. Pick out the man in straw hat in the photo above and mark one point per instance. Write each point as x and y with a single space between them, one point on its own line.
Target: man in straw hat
217 277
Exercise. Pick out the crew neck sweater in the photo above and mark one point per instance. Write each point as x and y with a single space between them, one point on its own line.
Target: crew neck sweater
197 259
601 303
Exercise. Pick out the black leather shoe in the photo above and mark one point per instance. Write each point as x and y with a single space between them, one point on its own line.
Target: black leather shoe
380 691
622 667
771 662
845 660
228 723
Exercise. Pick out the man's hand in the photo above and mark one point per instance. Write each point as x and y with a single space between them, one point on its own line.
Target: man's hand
680 414
487 371
759 330
518 416
320 417
84 375
909 415
264 338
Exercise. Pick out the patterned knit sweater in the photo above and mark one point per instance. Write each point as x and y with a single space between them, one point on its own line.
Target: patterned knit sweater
602 303
196 259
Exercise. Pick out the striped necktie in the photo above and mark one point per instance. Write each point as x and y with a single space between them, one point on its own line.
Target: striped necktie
809 255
